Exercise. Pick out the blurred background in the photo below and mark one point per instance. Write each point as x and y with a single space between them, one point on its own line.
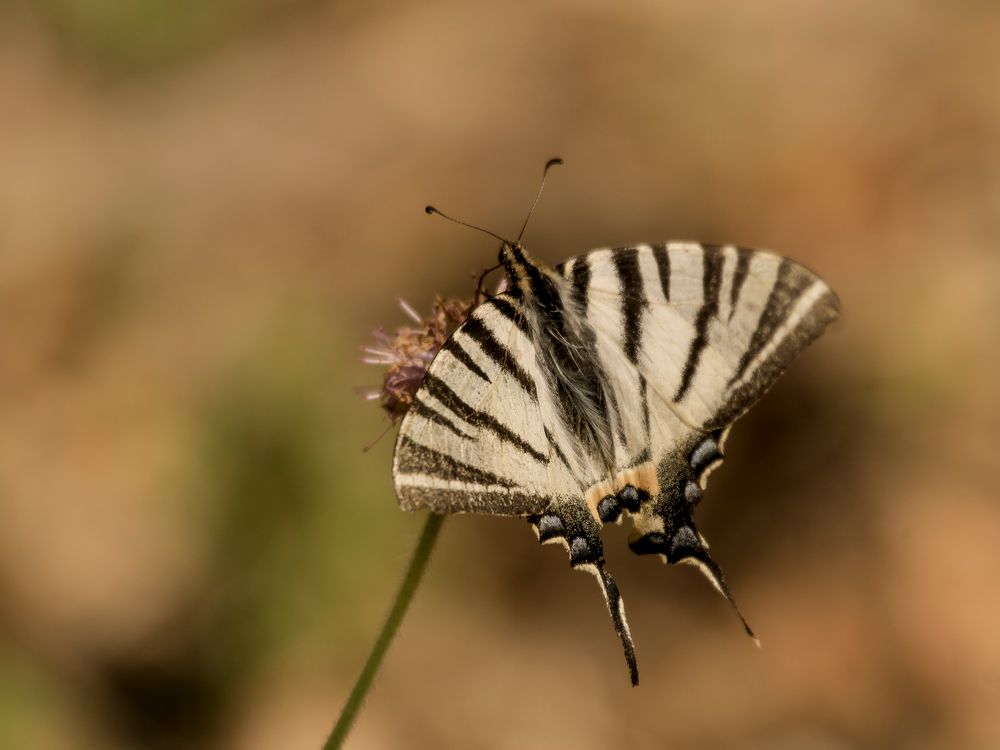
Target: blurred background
205 208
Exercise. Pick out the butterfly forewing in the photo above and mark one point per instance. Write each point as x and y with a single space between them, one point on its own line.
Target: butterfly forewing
476 438
713 326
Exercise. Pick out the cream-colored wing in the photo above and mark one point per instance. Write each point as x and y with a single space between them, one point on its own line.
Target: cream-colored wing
689 336
481 435
708 329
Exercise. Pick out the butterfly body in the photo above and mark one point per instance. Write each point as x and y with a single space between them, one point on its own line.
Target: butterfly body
564 352
604 388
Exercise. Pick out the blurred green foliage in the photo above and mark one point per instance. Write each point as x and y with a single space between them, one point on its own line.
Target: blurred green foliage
137 36
28 700
296 521
293 498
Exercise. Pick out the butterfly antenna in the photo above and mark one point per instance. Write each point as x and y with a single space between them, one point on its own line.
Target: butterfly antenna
548 165
432 210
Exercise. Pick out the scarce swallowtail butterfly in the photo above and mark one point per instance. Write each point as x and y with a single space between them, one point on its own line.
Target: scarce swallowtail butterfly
604 388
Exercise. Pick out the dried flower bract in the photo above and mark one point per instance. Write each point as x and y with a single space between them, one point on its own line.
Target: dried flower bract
407 355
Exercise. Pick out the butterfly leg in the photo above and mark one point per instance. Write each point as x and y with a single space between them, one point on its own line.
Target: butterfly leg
577 530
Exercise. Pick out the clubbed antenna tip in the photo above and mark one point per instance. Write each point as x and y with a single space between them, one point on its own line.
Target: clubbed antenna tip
548 165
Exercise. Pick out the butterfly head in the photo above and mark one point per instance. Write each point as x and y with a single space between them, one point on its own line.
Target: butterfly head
515 258
534 279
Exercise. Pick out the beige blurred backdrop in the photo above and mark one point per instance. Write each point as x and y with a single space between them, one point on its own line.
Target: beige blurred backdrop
206 208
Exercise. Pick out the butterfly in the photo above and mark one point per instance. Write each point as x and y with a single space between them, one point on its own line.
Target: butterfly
604 388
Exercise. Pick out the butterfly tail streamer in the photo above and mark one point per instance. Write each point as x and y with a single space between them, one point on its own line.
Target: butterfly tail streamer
616 607
715 576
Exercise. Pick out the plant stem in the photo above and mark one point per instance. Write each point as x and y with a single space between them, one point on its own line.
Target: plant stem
406 590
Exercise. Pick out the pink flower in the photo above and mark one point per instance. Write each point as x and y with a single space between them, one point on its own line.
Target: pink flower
407 355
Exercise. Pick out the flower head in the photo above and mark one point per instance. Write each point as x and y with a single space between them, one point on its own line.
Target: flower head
407 355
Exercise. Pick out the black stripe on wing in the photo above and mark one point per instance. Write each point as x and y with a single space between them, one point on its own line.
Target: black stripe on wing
644 395
662 258
498 352
711 260
432 415
557 450
458 352
739 276
791 281
415 458
580 283
453 402
503 305
822 313
633 299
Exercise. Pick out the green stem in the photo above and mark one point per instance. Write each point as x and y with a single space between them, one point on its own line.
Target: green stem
406 590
